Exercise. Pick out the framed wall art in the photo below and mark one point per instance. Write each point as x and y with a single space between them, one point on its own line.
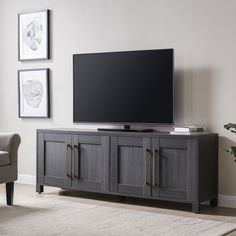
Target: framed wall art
33 93
33 35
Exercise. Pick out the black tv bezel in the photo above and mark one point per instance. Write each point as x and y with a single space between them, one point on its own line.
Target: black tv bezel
128 123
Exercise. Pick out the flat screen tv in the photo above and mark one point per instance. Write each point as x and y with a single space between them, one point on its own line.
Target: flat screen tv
130 87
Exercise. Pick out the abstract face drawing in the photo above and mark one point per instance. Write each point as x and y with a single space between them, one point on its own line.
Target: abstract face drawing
32 34
33 92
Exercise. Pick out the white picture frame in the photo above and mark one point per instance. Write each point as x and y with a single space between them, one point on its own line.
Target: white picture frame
33 93
33 35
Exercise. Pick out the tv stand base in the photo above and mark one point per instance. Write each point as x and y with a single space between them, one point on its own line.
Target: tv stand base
125 128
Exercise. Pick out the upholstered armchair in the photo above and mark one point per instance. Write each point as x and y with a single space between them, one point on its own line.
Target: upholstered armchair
9 144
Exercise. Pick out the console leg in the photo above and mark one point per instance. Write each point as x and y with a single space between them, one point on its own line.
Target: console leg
214 202
10 192
39 188
196 208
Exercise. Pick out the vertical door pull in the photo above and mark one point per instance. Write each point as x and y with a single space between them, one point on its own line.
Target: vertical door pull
154 151
145 150
67 160
75 174
145 165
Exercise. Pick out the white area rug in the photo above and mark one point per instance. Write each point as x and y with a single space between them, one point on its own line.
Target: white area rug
50 215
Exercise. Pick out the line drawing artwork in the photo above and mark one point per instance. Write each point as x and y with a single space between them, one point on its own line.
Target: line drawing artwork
33 33
33 93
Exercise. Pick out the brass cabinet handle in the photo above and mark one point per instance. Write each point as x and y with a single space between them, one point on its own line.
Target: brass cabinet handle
74 175
154 151
145 150
73 162
145 165
79 150
67 160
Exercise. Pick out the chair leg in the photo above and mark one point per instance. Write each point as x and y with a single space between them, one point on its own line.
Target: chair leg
196 208
10 192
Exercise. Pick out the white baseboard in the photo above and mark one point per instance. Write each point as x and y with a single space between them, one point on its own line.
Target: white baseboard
223 200
26 179
227 201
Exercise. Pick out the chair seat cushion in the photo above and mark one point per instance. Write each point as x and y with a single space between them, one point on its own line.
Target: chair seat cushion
4 158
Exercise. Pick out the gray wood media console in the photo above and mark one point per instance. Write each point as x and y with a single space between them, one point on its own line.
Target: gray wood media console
181 168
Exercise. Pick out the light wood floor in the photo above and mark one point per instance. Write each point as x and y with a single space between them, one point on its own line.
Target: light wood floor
171 208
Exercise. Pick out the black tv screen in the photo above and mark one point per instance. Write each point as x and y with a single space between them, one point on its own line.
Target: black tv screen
123 87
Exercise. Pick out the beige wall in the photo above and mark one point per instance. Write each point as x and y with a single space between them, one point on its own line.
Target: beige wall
202 32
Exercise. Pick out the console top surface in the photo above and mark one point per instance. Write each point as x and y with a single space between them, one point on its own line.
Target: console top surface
122 133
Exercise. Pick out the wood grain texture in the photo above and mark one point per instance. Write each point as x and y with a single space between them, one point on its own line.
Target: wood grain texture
128 167
52 160
91 163
208 168
173 164
193 187
148 165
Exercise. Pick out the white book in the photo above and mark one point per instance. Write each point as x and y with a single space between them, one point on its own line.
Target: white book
180 133
189 129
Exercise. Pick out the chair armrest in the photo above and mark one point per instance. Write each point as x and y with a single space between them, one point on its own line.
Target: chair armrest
10 142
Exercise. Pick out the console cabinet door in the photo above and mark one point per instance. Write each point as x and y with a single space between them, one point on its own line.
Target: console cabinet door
130 165
171 168
54 159
90 162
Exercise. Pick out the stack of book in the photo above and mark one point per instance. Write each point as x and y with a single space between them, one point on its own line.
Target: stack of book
187 130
